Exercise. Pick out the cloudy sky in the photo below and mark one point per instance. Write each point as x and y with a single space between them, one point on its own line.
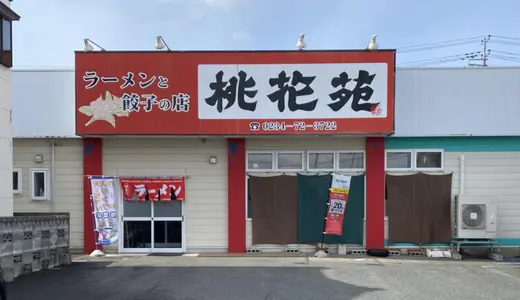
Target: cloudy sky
51 30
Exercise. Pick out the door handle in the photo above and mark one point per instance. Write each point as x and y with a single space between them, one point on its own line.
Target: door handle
182 219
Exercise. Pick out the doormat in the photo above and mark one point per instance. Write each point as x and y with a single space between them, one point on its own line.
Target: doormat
165 254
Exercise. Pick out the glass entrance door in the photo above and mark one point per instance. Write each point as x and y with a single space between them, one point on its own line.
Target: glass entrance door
137 227
153 227
168 227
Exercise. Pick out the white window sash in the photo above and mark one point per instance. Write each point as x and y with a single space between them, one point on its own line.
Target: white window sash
19 175
309 152
351 152
46 187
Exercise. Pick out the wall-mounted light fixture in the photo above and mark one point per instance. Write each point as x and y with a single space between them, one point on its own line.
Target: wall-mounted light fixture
161 44
38 158
213 159
88 45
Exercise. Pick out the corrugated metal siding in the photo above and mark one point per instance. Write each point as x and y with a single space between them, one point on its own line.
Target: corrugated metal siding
206 187
452 165
299 143
497 173
43 103
67 195
457 101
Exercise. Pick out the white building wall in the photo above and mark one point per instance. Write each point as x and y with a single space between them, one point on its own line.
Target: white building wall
490 173
299 143
457 102
51 94
6 153
496 173
206 185
67 190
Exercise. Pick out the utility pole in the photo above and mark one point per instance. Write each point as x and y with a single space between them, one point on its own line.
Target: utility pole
484 56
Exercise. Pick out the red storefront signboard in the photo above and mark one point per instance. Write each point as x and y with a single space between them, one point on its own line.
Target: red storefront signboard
235 93
153 189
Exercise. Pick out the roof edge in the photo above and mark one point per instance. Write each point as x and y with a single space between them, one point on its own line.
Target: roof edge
8 13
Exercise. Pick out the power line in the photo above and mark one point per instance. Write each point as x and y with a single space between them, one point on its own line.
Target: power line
434 47
441 60
495 39
441 43
507 58
438 45
475 59
432 63
505 43
506 38
505 52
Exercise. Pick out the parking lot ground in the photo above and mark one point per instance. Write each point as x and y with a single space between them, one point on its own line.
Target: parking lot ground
252 278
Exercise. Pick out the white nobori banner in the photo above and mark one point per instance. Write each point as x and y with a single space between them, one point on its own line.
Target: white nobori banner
104 209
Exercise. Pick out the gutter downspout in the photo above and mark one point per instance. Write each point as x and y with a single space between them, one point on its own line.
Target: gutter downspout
462 174
53 174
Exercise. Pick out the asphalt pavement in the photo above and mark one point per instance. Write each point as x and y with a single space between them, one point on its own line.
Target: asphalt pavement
252 278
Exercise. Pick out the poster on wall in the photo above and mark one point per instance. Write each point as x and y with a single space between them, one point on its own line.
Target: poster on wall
337 204
153 189
104 209
340 183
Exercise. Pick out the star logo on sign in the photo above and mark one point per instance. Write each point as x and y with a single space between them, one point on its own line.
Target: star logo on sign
255 126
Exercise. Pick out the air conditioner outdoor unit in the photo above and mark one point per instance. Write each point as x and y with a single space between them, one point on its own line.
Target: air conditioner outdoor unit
475 217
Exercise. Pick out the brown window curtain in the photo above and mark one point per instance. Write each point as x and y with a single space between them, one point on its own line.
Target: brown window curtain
403 209
436 195
419 208
274 209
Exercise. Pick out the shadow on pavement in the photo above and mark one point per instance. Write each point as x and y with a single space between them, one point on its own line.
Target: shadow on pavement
94 280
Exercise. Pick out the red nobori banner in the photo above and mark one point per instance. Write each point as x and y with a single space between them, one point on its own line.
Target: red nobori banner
153 189
336 213
229 93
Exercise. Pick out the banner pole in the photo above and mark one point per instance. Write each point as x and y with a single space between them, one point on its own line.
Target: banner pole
321 252
97 251
324 225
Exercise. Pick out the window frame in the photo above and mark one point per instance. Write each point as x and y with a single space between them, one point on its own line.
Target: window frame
334 156
47 195
19 175
273 161
441 151
302 153
412 158
6 60
337 167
